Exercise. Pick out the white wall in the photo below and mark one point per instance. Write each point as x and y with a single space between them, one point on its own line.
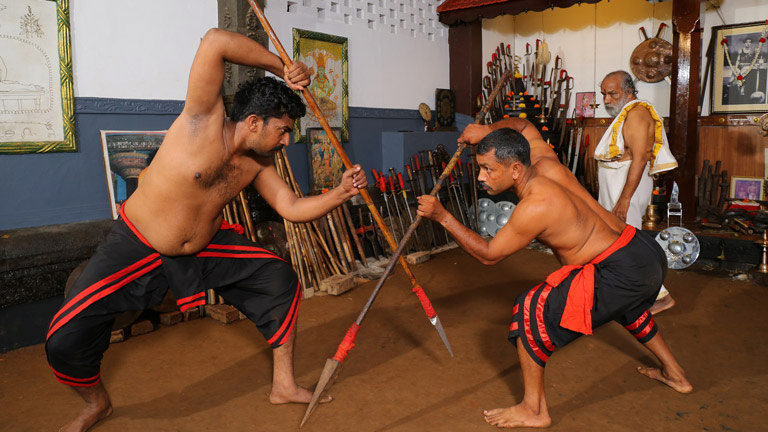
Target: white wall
594 40
397 57
141 49
144 51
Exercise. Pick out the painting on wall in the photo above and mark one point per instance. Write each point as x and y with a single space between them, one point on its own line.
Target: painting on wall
585 104
126 154
325 165
740 68
37 111
327 59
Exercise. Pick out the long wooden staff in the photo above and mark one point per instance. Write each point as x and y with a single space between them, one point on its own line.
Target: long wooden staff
332 365
425 303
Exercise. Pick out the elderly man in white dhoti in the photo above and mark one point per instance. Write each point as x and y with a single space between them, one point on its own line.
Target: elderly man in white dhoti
633 148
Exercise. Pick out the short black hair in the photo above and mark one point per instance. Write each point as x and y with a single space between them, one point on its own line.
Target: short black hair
266 97
510 146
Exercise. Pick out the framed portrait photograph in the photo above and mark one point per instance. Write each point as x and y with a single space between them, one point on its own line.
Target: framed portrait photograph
747 188
325 165
37 104
740 71
327 59
126 154
585 104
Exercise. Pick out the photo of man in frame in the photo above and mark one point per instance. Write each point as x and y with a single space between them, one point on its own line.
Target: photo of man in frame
743 51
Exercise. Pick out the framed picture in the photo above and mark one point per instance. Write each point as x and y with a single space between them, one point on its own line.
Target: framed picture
325 165
747 188
585 104
327 58
37 111
740 71
445 109
126 154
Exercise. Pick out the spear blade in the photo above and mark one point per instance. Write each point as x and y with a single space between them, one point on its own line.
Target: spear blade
328 376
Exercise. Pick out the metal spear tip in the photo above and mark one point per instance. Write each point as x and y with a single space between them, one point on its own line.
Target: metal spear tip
328 376
440 331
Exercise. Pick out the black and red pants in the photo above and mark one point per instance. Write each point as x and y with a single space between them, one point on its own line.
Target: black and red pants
126 273
626 286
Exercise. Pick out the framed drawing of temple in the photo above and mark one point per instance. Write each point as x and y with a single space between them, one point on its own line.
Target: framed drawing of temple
37 111
326 56
126 154
740 68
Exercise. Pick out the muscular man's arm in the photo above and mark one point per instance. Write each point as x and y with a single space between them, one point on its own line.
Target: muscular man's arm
523 226
638 138
281 198
207 74
474 133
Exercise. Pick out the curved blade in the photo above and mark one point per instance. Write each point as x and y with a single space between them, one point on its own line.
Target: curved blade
439 327
330 372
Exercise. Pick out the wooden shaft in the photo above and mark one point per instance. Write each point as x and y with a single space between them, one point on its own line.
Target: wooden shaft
351 224
337 242
344 234
248 219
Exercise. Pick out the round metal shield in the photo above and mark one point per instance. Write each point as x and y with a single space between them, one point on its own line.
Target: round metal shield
487 214
651 61
680 245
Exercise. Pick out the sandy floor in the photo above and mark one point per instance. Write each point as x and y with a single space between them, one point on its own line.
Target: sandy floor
202 376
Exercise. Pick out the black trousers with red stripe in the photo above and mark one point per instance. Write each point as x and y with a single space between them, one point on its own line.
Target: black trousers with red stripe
126 274
626 286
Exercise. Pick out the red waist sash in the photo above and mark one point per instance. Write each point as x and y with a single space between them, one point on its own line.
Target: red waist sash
577 315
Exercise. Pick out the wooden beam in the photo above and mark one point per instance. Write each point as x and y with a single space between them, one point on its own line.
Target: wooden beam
465 45
686 49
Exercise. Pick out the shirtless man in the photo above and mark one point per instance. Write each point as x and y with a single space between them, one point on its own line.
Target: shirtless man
543 157
171 232
627 266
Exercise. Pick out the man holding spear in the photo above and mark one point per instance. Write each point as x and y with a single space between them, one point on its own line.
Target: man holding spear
171 232
608 273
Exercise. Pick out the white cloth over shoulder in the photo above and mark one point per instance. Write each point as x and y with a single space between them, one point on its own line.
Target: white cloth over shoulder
611 145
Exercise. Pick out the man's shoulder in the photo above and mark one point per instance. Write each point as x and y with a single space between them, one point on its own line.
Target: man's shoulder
639 113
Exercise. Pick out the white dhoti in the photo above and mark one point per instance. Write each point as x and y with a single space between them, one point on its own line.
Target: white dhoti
612 174
611 177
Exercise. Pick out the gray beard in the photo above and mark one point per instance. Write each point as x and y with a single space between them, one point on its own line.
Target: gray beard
614 110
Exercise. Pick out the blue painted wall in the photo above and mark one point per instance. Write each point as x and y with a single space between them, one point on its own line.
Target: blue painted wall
54 188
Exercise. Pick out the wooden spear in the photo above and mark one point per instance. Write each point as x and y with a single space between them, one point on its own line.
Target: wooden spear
333 365
426 304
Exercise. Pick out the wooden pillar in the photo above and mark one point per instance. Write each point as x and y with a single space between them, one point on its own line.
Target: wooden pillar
686 49
465 45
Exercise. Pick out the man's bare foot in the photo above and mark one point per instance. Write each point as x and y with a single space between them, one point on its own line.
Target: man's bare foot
92 414
294 395
662 304
520 415
675 380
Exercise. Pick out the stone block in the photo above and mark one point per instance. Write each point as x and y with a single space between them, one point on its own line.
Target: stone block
142 327
171 318
222 313
370 273
307 292
191 314
338 284
418 257
117 336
